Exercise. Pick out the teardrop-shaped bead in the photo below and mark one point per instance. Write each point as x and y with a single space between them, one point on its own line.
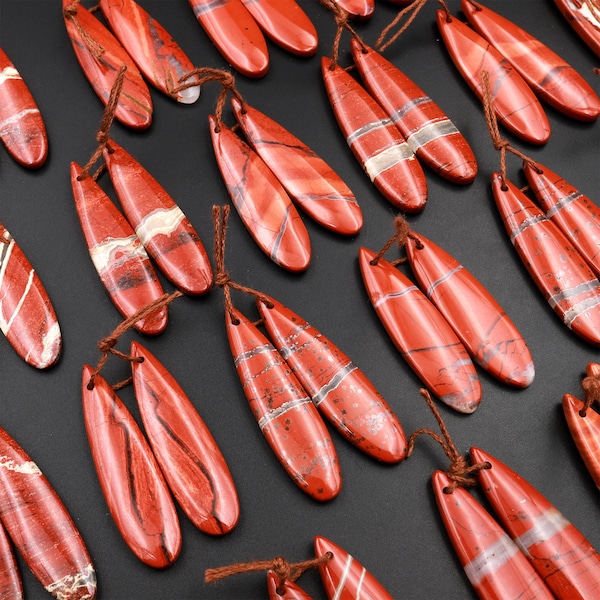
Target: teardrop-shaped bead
559 553
288 590
10 580
165 232
117 253
307 178
261 201
286 416
133 486
583 20
158 56
421 334
559 271
487 332
338 388
493 563
360 9
27 317
428 131
22 129
551 78
375 141
40 527
187 453
514 103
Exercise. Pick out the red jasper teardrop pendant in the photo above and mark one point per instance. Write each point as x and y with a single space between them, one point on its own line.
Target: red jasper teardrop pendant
187 453
343 577
22 129
40 527
287 590
307 178
421 334
492 562
565 560
583 20
27 317
10 580
261 201
375 141
360 9
117 253
159 223
286 416
131 481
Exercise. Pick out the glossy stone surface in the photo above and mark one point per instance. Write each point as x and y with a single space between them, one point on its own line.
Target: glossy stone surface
486 331
560 554
22 129
573 212
493 563
289 590
343 577
261 201
361 9
131 480
338 388
185 450
285 23
581 18
134 108
375 141
308 179
165 232
421 334
157 55
10 581
27 317
117 254
235 33
286 416
552 79
514 103
559 271
40 527
428 131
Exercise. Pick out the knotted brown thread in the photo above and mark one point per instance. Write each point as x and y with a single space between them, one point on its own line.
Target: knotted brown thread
70 12
412 10
459 472
591 389
446 10
403 233
342 19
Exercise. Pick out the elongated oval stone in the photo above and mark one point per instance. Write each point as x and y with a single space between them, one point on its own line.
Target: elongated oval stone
165 232
288 590
187 453
40 527
286 416
27 317
361 9
308 179
583 20
133 486
421 334
22 129
117 254
10 580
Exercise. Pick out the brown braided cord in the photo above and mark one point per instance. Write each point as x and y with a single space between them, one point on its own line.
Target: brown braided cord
342 19
70 12
412 10
400 237
591 389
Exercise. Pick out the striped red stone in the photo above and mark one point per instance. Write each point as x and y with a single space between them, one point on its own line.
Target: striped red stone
22 129
261 201
117 254
338 388
40 527
286 416
491 560
551 78
559 271
165 232
421 334
360 9
308 179
235 33
10 580
560 554
101 64
285 23
375 141
428 131
288 590
574 213
513 101
486 331
131 480
185 450
27 317
157 55
583 20
343 577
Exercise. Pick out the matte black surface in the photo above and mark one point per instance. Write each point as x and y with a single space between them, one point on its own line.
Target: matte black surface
385 516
